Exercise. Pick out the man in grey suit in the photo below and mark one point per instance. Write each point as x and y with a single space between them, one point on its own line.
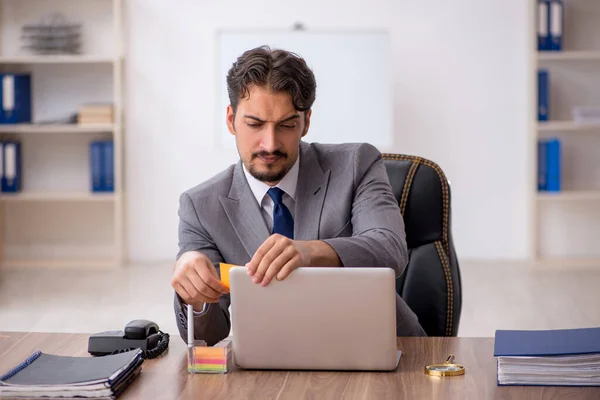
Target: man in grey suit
286 203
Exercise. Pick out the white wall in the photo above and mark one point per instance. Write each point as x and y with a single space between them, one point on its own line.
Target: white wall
460 88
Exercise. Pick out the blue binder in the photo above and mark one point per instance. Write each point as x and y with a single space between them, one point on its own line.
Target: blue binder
107 176
547 343
1 164
11 177
543 95
542 162
553 165
96 166
556 24
15 96
543 30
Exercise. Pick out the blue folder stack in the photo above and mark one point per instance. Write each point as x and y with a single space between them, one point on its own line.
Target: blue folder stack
568 357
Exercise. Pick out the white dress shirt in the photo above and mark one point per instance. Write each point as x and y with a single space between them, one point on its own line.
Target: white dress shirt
287 184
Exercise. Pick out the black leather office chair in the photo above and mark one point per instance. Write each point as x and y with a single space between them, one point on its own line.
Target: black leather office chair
431 284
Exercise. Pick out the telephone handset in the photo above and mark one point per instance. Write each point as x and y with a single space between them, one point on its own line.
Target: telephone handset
138 334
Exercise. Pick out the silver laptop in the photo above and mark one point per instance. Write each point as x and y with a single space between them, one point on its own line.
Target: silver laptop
316 319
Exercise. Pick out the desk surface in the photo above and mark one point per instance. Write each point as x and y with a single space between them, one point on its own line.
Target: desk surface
166 377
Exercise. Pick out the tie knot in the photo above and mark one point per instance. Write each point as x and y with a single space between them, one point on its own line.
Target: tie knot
276 194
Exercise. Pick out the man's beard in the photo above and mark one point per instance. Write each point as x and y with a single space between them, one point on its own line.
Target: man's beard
269 176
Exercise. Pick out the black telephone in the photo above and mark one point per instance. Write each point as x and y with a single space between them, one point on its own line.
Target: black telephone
138 334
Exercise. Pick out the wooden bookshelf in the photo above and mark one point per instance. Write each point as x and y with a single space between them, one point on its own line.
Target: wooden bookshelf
563 222
56 220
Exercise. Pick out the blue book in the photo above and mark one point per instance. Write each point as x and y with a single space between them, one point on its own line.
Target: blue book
11 158
556 24
543 30
96 166
566 357
108 175
543 95
1 164
553 165
542 172
15 97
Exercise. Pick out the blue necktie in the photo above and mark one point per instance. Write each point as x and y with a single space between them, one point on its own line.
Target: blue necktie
283 223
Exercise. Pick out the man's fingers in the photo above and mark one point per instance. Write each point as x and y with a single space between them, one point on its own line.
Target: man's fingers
264 248
185 296
202 287
287 269
286 255
206 274
268 259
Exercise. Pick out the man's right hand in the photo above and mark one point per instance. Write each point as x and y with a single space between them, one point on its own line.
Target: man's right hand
196 281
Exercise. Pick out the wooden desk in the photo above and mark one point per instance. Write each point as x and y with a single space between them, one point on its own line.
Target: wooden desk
166 377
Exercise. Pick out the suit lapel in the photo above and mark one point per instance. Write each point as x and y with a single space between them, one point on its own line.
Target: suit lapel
244 213
310 195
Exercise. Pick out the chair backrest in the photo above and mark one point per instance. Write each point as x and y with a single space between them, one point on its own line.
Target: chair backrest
431 284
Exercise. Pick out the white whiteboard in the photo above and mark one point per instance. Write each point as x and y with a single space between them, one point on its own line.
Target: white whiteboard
352 69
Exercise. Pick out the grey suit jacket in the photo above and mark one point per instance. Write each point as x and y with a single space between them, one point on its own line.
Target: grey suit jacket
343 197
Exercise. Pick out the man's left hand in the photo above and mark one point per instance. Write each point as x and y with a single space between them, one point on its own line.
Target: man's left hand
277 257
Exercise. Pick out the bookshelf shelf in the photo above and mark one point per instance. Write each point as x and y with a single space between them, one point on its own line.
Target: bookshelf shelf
59 196
57 128
52 59
54 264
568 56
566 126
572 195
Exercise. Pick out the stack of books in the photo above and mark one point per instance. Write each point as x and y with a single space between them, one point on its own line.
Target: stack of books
51 376
568 357
95 114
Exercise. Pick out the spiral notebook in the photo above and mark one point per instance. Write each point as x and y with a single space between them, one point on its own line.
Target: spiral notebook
52 376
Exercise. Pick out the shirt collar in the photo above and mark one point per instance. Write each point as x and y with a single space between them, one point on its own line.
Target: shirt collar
287 184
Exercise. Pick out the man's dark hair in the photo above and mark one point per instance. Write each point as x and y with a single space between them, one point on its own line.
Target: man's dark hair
278 70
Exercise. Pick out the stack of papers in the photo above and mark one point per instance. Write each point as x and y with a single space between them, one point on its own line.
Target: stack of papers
553 358
51 376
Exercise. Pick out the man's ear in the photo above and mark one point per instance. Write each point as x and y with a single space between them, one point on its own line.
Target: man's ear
307 115
230 120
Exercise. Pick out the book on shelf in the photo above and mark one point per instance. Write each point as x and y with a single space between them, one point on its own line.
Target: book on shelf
549 164
567 357
550 25
10 166
15 94
90 114
102 166
543 81
51 376
556 25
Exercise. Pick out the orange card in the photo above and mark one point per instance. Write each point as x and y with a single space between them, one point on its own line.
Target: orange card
225 273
